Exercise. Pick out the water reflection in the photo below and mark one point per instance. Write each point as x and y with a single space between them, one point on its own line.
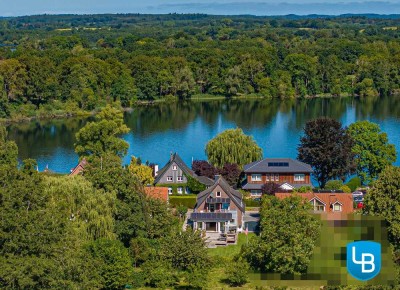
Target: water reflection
187 126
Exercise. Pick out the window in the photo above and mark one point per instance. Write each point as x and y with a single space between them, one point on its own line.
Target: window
276 177
337 207
169 190
218 194
268 177
180 190
255 192
299 177
169 178
187 190
256 177
317 205
174 167
180 178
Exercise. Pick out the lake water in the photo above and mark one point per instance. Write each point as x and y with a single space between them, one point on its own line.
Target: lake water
186 127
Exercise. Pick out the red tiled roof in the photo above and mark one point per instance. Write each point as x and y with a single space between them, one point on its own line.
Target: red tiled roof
345 199
79 168
157 192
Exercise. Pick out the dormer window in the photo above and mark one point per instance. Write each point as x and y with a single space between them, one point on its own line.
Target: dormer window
317 205
174 167
337 206
218 194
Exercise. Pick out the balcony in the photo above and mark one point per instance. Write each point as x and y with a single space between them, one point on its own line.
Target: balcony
218 200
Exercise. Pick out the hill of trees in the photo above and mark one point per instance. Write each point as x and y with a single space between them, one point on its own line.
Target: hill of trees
52 64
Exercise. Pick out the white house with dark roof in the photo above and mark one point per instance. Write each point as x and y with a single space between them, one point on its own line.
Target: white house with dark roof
175 174
288 173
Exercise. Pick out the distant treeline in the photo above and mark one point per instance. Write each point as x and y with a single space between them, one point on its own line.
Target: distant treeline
80 62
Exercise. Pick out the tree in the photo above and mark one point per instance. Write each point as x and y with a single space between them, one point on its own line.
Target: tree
288 235
232 146
102 136
112 261
142 172
231 173
383 199
327 147
334 184
203 168
8 150
372 150
270 188
237 273
194 185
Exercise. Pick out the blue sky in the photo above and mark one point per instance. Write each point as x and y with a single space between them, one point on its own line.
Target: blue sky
255 7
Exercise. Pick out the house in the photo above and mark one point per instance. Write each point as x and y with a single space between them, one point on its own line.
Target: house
79 168
333 204
157 192
174 175
286 172
219 208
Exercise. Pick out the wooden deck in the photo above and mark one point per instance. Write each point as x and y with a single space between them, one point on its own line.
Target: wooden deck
214 240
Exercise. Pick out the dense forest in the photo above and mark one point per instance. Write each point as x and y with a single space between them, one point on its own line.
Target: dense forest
67 64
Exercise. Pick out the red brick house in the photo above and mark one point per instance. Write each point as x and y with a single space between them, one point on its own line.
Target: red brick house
219 208
332 204
288 173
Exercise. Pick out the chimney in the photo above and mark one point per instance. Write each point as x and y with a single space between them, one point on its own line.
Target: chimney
171 156
216 177
155 169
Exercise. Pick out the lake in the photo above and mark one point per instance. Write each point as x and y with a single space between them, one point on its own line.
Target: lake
186 127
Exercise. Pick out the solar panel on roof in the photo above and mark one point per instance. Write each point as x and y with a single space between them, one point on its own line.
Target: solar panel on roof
278 164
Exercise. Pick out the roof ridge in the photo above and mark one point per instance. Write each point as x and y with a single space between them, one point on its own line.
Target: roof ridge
255 163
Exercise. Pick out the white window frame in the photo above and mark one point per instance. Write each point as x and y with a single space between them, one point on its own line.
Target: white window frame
337 204
169 178
180 178
218 194
299 177
256 177
276 177
268 177
316 205
179 190
169 190
174 167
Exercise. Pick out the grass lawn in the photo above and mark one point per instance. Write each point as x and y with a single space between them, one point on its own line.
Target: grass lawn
230 251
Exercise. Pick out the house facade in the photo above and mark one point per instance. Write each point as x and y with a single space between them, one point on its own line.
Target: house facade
174 175
219 208
331 204
288 173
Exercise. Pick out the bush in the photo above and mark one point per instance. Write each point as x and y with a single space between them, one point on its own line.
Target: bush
354 183
303 189
345 189
189 201
252 202
333 185
237 273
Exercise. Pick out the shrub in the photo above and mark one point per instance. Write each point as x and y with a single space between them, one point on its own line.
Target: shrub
345 189
189 201
354 183
237 273
333 184
252 202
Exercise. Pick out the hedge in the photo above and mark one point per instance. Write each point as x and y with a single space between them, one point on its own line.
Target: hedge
187 200
252 202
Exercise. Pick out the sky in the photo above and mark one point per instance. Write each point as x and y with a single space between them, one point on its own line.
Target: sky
221 7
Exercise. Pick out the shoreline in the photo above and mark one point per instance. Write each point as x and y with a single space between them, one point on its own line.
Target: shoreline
140 103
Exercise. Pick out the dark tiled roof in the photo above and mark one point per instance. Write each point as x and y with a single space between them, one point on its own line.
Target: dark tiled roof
235 195
277 165
186 170
250 186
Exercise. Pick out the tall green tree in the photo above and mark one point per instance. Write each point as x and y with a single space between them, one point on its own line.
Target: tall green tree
372 150
102 136
232 146
288 235
327 147
383 199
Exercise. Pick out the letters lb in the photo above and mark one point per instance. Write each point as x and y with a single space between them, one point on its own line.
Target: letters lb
364 259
